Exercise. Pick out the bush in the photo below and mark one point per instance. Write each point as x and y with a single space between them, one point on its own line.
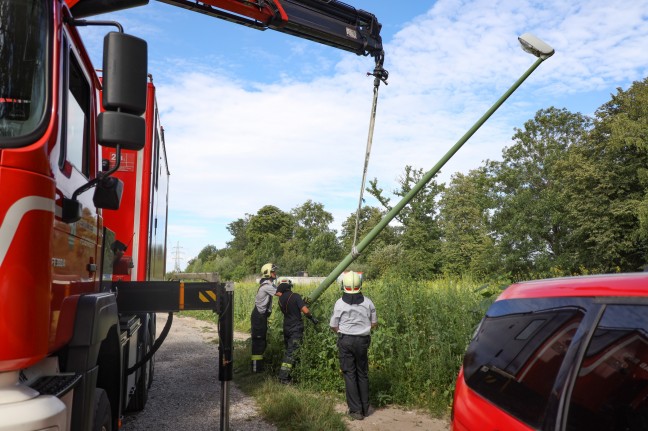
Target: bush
320 267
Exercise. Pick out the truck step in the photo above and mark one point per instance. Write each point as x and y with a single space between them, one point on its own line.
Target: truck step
57 385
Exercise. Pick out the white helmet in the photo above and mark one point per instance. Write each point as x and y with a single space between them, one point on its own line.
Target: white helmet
352 282
284 284
268 270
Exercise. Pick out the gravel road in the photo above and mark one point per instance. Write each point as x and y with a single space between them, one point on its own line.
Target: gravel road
185 395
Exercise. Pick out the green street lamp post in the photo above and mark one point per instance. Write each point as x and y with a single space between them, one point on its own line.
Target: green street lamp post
530 44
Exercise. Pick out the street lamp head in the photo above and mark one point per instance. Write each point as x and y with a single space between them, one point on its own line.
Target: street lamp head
535 46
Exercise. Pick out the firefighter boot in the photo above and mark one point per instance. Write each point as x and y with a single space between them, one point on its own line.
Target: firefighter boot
284 373
257 363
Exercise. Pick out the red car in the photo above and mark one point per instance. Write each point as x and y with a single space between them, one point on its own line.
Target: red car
559 354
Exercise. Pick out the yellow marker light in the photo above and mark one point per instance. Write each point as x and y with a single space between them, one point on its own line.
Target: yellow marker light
182 293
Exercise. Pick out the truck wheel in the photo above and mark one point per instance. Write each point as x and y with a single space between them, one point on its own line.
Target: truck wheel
102 413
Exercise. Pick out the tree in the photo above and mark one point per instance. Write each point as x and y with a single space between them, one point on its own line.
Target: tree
386 260
464 217
238 230
311 221
207 253
420 232
605 186
267 231
319 267
530 216
325 246
293 259
269 220
627 114
369 217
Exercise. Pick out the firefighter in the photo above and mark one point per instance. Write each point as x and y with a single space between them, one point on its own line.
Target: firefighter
292 306
260 314
354 316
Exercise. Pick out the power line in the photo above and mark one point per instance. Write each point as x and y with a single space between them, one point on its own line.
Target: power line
177 257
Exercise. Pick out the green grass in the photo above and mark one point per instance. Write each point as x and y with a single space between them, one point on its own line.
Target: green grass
415 354
289 408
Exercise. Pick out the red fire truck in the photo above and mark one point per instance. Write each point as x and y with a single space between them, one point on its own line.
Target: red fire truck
83 182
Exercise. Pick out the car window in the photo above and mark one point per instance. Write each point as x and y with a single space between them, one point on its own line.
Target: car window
611 389
514 358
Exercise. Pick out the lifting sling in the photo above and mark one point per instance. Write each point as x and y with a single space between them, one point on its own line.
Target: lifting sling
379 74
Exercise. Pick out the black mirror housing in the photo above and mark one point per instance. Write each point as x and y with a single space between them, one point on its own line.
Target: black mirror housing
124 73
120 128
108 193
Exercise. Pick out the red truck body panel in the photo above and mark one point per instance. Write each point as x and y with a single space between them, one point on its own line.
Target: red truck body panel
140 222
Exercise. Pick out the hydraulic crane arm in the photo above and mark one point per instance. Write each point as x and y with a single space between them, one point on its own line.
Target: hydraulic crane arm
329 22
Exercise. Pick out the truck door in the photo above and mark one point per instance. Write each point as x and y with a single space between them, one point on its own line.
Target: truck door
75 244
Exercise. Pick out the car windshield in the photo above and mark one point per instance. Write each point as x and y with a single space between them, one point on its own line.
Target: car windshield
23 58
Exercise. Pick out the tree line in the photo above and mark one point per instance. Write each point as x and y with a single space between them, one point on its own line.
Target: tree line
568 197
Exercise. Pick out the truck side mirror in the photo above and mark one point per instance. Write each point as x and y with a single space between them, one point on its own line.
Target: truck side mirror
120 128
124 92
124 73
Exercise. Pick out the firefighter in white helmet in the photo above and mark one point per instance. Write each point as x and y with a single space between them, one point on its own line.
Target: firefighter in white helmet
354 316
260 314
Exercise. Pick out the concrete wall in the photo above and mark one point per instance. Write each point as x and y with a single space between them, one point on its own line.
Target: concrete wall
302 280
307 280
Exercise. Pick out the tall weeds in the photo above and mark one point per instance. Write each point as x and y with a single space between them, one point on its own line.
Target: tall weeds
415 354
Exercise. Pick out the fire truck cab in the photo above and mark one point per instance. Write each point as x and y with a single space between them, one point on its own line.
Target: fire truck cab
63 347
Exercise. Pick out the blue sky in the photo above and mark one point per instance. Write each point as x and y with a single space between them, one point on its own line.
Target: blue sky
254 118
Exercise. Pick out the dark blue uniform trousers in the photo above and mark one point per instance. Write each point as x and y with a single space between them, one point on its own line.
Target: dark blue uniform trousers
354 364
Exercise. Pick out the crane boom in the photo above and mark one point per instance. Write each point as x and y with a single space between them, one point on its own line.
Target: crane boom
329 22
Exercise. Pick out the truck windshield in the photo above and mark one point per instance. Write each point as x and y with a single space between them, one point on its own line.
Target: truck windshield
24 28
